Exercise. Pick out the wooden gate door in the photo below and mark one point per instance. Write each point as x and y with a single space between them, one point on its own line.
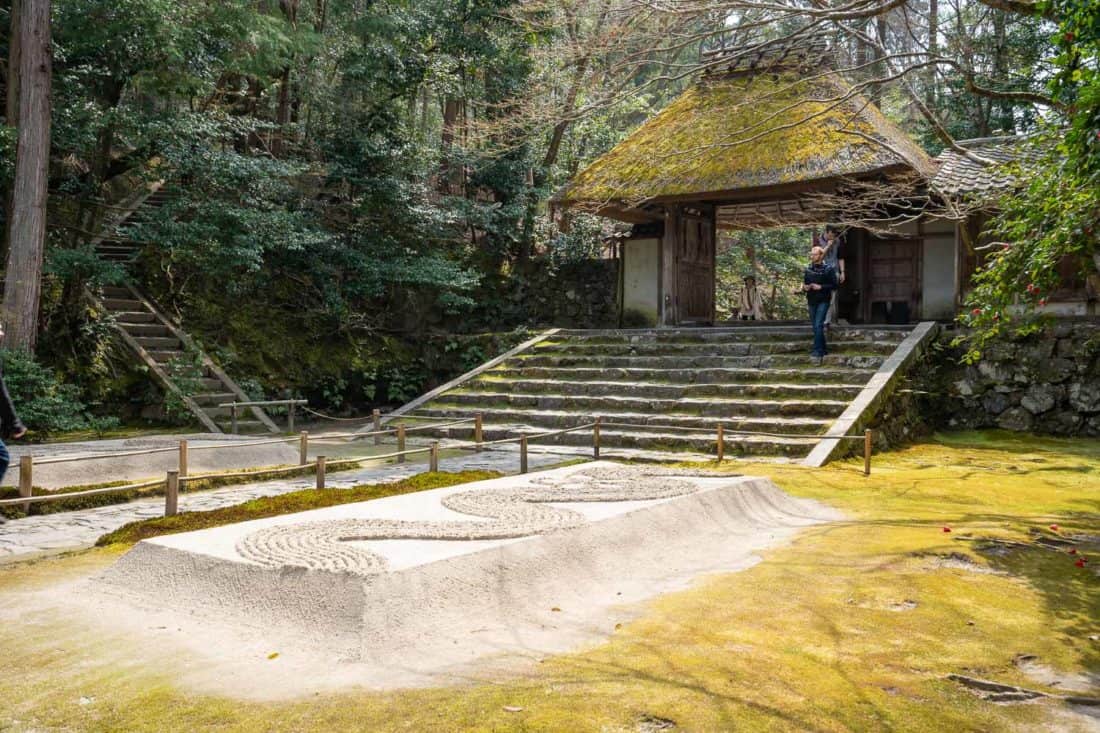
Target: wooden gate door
695 270
894 269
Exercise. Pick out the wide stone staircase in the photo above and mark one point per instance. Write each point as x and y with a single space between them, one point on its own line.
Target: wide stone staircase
758 379
172 357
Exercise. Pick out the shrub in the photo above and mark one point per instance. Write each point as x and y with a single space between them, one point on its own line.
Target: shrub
42 401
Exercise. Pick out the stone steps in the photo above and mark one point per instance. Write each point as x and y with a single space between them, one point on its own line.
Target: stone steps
719 375
626 402
709 349
729 335
859 361
639 422
661 390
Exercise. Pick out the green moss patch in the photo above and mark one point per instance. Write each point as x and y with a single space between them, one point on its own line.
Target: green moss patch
738 133
298 501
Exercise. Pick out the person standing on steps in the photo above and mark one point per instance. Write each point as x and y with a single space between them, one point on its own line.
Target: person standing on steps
751 309
10 425
818 282
833 244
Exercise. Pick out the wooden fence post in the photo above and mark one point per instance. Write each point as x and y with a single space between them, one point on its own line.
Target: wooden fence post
478 425
376 415
172 493
183 458
433 458
523 454
290 417
401 442
721 442
303 448
26 481
866 452
233 417
320 472
596 438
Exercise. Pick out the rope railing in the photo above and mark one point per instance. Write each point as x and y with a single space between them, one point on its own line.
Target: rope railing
176 478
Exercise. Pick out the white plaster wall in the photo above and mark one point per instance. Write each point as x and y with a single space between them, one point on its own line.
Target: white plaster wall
938 286
641 265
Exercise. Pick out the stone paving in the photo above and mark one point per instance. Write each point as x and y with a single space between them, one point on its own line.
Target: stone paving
53 533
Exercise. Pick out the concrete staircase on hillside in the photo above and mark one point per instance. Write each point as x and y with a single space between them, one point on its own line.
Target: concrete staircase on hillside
755 378
172 357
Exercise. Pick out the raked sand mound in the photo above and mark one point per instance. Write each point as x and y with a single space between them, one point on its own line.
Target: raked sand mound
429 587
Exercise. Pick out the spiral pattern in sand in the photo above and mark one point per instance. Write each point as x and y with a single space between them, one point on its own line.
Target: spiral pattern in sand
518 512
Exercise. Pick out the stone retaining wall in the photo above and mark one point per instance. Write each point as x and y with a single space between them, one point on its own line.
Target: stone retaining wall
1046 383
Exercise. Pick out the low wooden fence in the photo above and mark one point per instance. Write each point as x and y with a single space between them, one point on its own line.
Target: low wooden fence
179 477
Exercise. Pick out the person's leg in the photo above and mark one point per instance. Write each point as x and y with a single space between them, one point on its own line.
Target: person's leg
5 459
818 314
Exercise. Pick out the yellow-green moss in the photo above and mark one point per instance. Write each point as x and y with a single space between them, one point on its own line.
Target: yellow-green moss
811 638
742 133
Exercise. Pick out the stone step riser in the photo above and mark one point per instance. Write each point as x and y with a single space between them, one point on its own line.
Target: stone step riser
122 304
704 407
639 423
666 391
146 330
690 350
687 442
135 317
700 362
685 376
163 343
724 336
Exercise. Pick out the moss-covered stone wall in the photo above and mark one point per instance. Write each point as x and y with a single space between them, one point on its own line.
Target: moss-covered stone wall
1045 383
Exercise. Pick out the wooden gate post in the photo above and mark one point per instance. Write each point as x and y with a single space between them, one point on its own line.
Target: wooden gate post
290 417
478 425
171 493
183 458
721 442
303 448
866 452
26 481
596 438
401 442
233 417
320 472
523 454
376 415
433 458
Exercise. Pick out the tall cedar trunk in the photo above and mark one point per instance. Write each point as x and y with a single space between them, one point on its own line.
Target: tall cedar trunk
28 216
285 105
451 179
11 106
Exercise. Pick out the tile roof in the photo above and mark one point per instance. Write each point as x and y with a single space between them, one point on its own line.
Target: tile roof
959 175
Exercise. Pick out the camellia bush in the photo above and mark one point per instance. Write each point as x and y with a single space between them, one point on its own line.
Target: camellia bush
1057 214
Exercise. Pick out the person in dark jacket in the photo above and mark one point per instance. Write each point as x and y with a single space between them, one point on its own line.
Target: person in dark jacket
818 282
10 424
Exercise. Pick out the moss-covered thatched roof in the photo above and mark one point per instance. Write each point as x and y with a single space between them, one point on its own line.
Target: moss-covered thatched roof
732 135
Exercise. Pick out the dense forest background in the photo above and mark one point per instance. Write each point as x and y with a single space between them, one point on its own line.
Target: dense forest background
351 185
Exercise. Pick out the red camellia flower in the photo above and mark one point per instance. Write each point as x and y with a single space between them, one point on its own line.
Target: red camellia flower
1054 528
1080 563
976 312
1073 550
1042 301
1069 36
946 529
